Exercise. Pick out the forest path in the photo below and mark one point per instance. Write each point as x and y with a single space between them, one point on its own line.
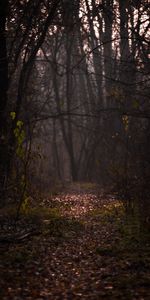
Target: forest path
77 255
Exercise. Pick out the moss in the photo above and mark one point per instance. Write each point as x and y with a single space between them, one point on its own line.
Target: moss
88 186
108 213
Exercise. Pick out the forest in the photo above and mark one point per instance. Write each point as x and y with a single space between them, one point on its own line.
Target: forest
74 149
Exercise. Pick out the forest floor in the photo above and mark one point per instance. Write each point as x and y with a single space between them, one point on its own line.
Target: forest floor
82 248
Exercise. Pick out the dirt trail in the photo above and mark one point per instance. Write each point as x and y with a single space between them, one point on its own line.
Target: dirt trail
76 255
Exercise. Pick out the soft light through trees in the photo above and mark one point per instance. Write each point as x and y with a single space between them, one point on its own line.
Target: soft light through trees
79 75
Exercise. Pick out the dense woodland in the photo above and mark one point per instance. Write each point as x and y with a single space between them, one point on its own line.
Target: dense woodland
75 100
74 86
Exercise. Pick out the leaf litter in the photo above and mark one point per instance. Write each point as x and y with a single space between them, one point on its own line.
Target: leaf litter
77 255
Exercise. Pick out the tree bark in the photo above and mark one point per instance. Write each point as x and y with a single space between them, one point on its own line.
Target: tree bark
3 91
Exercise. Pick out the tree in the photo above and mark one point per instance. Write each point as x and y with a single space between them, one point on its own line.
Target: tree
79 72
28 26
3 92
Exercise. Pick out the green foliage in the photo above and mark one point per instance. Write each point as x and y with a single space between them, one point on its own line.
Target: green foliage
25 205
45 213
86 186
20 136
13 115
50 220
37 215
109 213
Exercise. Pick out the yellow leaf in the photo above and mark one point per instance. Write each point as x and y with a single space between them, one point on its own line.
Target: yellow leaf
12 115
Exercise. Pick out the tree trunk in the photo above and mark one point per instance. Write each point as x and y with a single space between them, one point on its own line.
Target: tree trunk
3 93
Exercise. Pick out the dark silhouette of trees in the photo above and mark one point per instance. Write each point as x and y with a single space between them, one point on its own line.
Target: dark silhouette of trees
27 23
79 82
